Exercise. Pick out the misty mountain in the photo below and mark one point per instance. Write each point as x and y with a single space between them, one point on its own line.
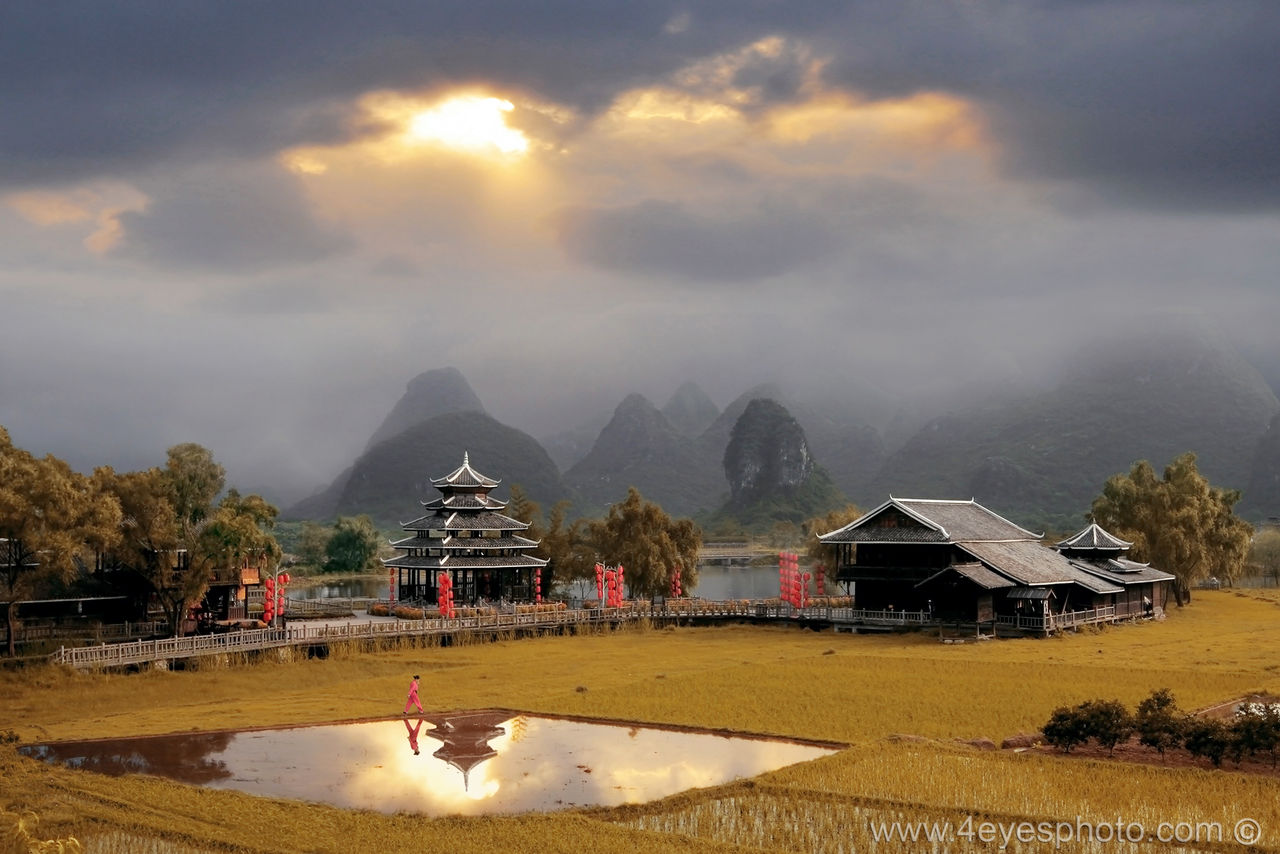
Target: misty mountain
1262 496
640 447
388 481
427 395
772 475
851 450
690 410
1044 456
567 447
424 436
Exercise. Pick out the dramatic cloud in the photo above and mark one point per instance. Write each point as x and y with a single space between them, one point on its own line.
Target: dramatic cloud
228 219
250 224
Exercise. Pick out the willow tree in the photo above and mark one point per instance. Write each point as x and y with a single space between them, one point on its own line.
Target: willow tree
1178 523
50 516
648 543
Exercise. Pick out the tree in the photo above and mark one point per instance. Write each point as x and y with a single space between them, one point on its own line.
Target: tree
1066 728
313 539
1108 722
173 538
1264 554
648 543
1159 723
50 515
824 554
568 547
1178 523
1209 738
353 546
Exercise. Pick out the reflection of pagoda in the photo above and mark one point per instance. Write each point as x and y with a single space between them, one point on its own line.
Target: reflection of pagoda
464 534
466 738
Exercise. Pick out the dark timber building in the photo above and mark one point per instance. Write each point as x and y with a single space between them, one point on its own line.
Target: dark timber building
464 535
962 563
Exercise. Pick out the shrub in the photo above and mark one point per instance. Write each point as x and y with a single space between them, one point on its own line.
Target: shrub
1208 738
1256 730
1066 728
1159 723
1108 722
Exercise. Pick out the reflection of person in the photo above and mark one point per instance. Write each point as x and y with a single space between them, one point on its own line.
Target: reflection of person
413 734
413 696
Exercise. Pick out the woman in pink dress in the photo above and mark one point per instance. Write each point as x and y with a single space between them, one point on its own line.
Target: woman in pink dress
413 696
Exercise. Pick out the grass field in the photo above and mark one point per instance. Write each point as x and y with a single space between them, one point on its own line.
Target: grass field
858 689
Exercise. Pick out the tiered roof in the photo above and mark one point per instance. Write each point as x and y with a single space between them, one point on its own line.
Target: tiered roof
463 529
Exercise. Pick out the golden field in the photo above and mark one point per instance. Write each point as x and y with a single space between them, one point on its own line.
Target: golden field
862 690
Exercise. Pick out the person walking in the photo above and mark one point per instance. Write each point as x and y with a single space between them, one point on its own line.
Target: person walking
413 696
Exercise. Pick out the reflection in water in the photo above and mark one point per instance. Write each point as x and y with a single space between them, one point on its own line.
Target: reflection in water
486 762
186 757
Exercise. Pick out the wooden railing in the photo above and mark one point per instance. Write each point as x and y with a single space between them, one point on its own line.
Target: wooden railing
137 652
1056 622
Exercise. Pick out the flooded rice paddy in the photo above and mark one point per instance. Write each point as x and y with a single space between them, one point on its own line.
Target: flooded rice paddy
469 763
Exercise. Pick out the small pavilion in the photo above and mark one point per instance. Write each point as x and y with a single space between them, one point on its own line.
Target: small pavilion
464 534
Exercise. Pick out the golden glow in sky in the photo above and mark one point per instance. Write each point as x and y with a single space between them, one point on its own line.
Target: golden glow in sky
470 122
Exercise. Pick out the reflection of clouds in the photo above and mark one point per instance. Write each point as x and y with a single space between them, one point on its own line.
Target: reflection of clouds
541 764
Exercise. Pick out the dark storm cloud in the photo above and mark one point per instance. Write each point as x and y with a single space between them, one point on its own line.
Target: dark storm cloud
233 219
1153 102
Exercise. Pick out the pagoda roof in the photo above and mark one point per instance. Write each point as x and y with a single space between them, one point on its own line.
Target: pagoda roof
465 521
935 521
464 501
451 561
507 542
464 475
1094 537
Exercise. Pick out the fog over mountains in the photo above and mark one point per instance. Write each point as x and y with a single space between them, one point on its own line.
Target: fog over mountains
1038 453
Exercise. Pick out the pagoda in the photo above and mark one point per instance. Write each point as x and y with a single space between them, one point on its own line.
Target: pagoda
465 535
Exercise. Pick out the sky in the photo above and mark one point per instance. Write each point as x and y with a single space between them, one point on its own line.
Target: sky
249 225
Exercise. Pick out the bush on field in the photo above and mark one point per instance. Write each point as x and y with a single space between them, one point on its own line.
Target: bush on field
1253 732
1160 724
1107 722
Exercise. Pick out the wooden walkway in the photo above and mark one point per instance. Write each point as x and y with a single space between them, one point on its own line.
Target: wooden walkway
673 611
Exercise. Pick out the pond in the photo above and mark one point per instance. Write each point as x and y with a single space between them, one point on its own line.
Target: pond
468 763
714 582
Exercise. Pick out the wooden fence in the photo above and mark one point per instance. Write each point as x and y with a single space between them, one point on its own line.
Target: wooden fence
677 610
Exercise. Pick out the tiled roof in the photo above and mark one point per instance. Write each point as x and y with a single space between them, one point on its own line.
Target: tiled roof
1121 571
975 572
941 521
1094 537
1032 564
508 542
454 562
470 521
464 475
464 501
966 520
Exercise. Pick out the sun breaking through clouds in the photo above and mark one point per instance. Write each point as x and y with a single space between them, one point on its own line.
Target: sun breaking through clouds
471 123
